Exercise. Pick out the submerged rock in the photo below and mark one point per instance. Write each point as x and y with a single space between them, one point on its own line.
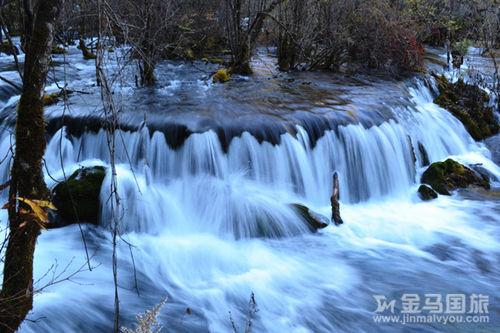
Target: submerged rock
468 104
424 157
483 172
314 220
77 199
450 175
426 193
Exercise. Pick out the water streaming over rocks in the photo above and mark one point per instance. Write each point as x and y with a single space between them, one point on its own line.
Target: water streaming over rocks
207 209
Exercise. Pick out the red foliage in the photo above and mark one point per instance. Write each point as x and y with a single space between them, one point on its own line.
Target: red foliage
405 50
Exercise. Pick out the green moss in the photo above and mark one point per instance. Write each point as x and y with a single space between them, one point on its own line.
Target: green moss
426 193
221 76
50 99
78 198
449 175
468 104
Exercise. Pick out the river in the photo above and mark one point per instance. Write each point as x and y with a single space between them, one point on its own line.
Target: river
206 176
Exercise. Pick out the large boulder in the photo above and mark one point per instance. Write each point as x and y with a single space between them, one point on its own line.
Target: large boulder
450 175
468 103
313 220
77 199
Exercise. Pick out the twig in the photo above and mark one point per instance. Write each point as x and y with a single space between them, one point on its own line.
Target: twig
9 82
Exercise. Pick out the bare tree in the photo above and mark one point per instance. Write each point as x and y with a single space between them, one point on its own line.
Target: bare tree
27 183
244 22
145 25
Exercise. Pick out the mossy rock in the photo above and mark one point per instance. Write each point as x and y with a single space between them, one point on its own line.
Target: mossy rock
57 49
50 99
221 76
450 175
426 193
53 98
313 220
77 199
6 48
468 104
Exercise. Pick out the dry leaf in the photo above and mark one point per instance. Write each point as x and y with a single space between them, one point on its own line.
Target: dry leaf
40 214
45 204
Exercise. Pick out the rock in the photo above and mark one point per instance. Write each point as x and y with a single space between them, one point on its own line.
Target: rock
468 104
54 98
313 220
424 157
449 175
51 99
78 198
426 193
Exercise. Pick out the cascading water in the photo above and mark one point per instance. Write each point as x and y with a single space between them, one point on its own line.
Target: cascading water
209 224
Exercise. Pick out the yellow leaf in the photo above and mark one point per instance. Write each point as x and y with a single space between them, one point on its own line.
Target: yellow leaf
45 204
40 214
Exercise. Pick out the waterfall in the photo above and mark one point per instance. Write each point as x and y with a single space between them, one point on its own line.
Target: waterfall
249 187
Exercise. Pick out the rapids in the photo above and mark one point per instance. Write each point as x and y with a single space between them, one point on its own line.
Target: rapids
207 211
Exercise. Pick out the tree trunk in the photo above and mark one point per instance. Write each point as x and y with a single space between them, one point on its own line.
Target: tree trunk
16 297
335 201
247 41
148 73
241 62
148 51
27 13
